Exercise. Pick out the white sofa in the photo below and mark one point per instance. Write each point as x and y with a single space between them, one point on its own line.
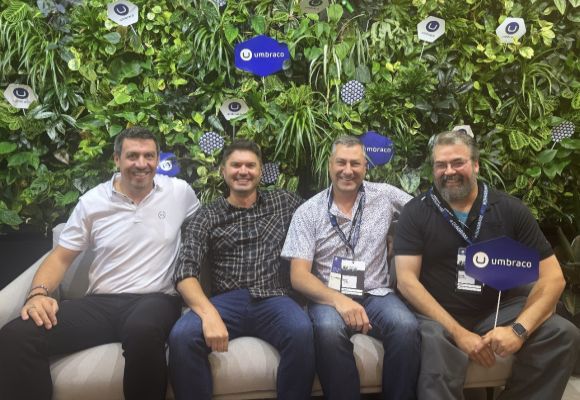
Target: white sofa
246 371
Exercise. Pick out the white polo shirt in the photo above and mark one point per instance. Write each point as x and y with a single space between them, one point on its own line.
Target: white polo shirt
134 244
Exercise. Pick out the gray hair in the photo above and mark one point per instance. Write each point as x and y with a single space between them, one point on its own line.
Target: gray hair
450 138
348 141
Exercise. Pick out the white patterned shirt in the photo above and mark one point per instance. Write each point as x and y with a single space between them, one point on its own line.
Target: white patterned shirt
311 236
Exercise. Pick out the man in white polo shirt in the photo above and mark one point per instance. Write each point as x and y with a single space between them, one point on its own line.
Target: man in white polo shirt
132 224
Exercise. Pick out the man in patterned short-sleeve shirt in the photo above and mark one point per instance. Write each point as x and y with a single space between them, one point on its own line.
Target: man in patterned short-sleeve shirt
349 222
240 238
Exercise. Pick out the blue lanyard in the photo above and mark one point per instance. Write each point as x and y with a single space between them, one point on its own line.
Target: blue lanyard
450 217
354 234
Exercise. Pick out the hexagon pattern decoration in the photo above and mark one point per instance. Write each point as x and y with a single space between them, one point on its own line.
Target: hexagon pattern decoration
313 6
261 55
502 263
431 29
168 164
123 12
563 131
233 108
511 29
379 148
211 141
270 172
465 129
352 92
20 96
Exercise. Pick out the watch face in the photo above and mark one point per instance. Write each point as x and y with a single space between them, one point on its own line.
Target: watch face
519 329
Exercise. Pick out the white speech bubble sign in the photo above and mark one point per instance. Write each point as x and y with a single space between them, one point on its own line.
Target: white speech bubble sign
123 12
431 29
20 96
313 6
233 108
511 29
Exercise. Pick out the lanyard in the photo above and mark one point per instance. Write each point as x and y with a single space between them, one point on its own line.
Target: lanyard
450 217
354 233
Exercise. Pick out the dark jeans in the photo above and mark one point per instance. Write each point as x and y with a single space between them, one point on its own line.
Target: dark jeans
277 320
392 323
140 322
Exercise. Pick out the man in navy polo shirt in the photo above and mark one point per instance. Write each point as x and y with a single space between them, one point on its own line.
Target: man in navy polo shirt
456 315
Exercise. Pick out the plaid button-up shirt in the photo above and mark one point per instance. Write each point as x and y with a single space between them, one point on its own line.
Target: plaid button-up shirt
241 245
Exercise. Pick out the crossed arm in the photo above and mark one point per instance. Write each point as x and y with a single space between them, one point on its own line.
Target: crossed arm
353 314
502 341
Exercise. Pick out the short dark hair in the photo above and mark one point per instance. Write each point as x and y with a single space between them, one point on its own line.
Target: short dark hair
348 141
135 132
244 145
449 138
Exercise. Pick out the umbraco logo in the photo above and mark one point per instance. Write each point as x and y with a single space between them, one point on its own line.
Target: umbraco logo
162 214
246 54
121 9
512 28
379 149
480 259
166 165
314 3
20 93
234 106
432 26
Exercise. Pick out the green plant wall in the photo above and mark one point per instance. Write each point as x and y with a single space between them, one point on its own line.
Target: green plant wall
172 70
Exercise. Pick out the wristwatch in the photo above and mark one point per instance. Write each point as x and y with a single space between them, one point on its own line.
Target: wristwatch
520 330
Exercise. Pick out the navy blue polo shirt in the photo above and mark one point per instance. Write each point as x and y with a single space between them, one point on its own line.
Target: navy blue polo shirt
422 230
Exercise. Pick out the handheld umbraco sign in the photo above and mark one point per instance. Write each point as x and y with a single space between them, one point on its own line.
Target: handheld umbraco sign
211 141
270 172
261 55
465 129
431 29
168 164
123 12
233 108
313 6
502 263
511 29
379 148
352 92
19 96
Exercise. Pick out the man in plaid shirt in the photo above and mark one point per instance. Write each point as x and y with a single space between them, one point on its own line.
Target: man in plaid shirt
240 238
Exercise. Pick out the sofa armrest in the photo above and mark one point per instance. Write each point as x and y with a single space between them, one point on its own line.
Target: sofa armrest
13 295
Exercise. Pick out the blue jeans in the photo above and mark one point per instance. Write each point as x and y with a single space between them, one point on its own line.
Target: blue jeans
278 320
392 323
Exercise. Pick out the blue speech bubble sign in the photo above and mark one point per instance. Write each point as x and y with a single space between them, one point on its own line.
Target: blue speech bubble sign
379 148
168 164
502 263
261 55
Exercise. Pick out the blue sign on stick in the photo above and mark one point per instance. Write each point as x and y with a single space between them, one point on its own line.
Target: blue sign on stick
261 55
502 263
168 164
379 148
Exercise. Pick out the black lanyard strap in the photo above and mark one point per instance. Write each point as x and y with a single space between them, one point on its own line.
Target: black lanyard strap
354 233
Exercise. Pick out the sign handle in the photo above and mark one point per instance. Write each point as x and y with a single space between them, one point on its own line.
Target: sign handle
497 309
422 48
233 130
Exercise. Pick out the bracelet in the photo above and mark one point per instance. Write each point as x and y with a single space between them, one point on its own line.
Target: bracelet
41 286
34 295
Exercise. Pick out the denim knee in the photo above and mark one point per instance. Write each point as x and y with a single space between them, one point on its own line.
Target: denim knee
329 327
187 334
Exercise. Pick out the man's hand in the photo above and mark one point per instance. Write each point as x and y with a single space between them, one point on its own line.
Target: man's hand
42 310
476 348
215 333
353 314
503 341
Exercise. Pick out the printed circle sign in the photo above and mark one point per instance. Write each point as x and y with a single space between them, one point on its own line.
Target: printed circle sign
20 96
233 108
211 141
379 148
511 29
261 55
123 12
168 164
352 92
563 131
270 172
431 29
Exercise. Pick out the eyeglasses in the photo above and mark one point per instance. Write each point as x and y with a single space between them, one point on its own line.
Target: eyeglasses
441 166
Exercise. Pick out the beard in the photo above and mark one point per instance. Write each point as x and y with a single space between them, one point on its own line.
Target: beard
456 193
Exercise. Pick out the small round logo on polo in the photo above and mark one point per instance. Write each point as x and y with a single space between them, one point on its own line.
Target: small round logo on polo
315 3
121 9
512 28
20 93
166 165
246 54
432 26
234 106
480 259
162 214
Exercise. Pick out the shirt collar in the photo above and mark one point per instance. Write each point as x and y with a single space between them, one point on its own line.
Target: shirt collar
334 209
